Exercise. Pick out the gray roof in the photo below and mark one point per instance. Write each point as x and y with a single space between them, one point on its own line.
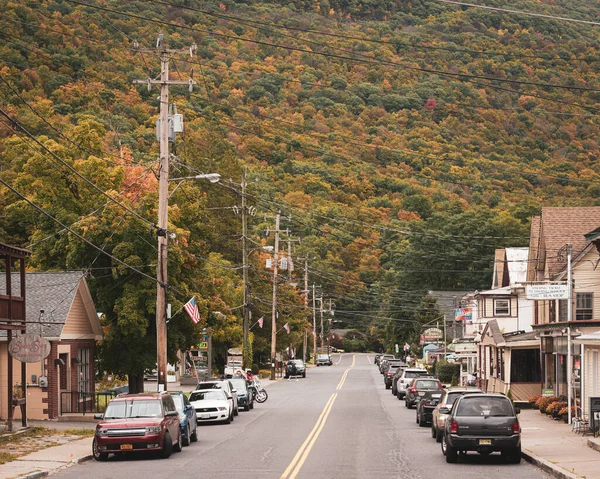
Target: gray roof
52 292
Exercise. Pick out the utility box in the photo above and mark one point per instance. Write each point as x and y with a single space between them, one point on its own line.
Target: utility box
594 414
177 121
171 129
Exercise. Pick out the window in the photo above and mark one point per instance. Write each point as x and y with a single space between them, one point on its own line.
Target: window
552 311
584 306
83 370
563 305
525 366
501 307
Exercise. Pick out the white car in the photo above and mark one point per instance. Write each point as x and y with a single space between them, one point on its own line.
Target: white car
211 405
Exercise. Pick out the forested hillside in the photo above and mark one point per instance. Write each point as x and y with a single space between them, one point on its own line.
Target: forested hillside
401 141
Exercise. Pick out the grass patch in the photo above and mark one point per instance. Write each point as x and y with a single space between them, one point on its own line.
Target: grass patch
79 432
6 457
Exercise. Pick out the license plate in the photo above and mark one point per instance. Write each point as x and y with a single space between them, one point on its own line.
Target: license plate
421 393
126 446
485 442
205 416
436 396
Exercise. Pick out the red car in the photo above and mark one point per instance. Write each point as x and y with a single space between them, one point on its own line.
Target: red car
138 422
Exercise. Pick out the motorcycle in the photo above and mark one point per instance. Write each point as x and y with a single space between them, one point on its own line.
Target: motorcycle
260 395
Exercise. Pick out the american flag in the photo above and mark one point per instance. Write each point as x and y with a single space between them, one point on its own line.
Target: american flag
192 309
260 321
286 326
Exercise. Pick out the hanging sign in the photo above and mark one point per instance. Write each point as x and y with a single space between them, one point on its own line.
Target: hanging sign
547 291
29 348
433 334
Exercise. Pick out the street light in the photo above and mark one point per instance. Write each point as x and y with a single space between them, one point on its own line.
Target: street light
161 276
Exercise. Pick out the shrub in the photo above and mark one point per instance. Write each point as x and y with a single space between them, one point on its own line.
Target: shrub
445 371
554 407
533 400
544 401
565 410
255 368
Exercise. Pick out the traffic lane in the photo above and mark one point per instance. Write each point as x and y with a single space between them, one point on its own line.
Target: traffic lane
258 444
425 454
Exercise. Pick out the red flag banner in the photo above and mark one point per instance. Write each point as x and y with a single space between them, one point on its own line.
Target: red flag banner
286 326
191 308
260 321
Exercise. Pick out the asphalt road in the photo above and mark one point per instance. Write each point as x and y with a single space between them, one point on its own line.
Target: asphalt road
339 422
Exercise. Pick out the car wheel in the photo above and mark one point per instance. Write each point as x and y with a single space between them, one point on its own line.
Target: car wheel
98 456
304 374
433 432
252 405
167 446
236 411
178 447
228 420
232 416
246 407
194 436
422 421
387 386
399 396
186 440
438 435
450 452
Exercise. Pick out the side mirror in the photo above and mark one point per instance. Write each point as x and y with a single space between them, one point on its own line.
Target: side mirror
517 410
444 386
234 390
98 416
444 410
172 413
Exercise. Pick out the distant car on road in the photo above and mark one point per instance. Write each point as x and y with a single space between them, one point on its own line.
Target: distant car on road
406 378
390 369
212 405
383 359
138 422
188 422
449 395
324 360
484 423
425 407
298 365
227 386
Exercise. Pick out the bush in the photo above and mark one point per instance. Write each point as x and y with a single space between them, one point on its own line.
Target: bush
255 368
544 401
565 410
445 371
533 399
554 407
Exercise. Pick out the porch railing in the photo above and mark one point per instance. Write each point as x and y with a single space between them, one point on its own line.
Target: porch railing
75 402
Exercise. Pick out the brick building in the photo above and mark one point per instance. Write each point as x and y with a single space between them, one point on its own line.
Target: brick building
59 307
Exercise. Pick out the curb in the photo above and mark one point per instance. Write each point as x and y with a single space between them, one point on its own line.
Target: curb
41 474
547 466
593 444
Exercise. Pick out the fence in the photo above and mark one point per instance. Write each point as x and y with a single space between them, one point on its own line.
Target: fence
75 402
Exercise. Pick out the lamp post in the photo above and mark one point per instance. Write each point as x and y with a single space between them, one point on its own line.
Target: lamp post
161 273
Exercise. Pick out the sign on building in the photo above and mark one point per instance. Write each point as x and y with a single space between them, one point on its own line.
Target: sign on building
433 334
463 314
29 348
547 291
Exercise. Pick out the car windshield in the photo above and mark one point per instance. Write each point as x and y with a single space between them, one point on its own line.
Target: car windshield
427 384
239 383
209 386
322 356
413 374
178 400
133 408
453 396
206 395
484 406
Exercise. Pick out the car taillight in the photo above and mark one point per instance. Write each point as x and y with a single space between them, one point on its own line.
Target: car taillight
516 428
454 427
412 390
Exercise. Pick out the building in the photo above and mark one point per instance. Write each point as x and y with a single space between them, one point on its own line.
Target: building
59 307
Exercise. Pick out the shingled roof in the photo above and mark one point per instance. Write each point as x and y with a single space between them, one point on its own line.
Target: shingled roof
52 292
557 227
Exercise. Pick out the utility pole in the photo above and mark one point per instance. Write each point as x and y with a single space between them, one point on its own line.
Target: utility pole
322 331
305 344
163 199
314 317
274 313
246 322
569 319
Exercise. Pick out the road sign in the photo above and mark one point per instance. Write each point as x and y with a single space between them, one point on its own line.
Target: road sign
547 291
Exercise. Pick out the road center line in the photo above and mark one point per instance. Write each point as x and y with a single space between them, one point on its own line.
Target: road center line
344 376
314 438
316 429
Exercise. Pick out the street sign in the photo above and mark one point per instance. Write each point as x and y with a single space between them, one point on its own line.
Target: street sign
547 291
29 348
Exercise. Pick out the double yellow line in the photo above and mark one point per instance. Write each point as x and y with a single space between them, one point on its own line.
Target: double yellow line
292 470
294 467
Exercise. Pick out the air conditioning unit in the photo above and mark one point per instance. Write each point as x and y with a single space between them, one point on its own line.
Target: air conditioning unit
43 381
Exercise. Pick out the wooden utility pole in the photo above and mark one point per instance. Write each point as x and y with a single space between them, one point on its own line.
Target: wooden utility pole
274 313
322 331
246 311
314 316
163 200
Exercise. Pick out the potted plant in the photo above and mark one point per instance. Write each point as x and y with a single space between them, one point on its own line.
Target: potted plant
533 400
564 413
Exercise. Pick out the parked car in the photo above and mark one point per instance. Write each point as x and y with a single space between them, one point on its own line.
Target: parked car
425 407
484 423
390 369
324 360
212 405
225 385
405 379
418 387
138 422
296 364
383 359
447 400
244 395
188 422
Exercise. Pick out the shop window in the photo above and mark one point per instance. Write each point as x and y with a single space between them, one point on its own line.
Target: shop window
563 313
83 369
501 307
525 366
584 306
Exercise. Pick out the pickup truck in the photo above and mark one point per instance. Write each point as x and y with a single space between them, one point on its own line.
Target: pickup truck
234 362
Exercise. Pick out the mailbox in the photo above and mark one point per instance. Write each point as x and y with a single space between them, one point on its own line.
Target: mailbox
594 413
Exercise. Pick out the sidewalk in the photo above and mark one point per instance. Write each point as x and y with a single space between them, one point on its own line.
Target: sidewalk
556 449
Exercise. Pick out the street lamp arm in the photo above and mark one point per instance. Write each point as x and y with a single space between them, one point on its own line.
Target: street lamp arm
212 177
